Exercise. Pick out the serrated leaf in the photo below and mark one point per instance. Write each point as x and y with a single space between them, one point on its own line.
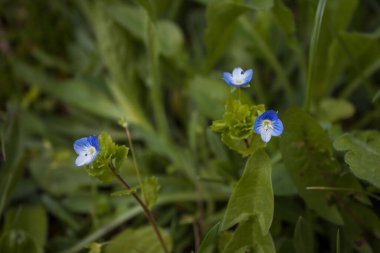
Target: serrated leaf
253 194
109 153
138 240
303 237
150 188
308 157
249 237
245 147
363 154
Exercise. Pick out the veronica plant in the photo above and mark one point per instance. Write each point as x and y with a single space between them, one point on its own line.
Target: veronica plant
103 159
247 129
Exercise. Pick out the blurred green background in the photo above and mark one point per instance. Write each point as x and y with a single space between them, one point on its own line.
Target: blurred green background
74 68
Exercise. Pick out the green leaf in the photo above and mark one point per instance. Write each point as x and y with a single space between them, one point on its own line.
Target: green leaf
245 147
308 157
209 241
18 241
170 39
363 154
138 240
248 237
29 219
109 153
221 19
150 188
253 194
303 237
335 109
282 182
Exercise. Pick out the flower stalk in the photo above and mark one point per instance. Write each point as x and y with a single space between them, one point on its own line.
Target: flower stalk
146 210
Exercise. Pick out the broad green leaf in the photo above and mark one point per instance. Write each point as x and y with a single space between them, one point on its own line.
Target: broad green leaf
303 237
138 240
335 109
209 241
308 157
249 237
170 39
282 182
363 154
253 194
18 241
150 188
31 220
221 19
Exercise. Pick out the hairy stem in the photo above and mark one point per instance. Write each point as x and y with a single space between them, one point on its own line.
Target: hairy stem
146 210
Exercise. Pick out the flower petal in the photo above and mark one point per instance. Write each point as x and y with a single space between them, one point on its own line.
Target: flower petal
81 144
270 114
237 72
278 128
248 76
228 78
93 140
84 159
258 124
266 135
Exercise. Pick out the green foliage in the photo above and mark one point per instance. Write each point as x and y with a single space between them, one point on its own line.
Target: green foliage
150 188
142 239
249 237
315 165
70 69
363 154
236 127
253 194
110 153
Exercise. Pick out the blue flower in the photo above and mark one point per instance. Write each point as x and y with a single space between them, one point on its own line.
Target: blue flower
238 78
87 149
267 125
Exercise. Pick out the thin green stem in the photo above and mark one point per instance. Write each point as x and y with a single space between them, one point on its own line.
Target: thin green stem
146 210
313 52
327 188
133 154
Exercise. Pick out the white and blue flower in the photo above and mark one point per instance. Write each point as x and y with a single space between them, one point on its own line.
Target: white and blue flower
87 149
238 78
267 125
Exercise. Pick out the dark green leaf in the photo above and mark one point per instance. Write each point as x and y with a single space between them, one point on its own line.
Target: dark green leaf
308 157
249 236
18 241
253 194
